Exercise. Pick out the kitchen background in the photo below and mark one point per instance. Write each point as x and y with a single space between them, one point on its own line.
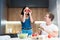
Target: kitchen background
10 9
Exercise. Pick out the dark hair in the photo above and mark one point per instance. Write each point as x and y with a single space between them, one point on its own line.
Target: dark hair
22 13
51 16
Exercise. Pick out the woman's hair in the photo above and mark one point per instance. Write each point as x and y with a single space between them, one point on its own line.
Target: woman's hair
22 13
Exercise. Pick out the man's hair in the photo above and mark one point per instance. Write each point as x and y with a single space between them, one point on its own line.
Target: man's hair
51 16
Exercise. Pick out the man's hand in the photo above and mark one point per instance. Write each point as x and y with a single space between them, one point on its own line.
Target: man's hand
41 28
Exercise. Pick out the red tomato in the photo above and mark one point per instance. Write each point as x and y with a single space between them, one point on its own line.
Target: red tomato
27 10
49 36
32 35
35 34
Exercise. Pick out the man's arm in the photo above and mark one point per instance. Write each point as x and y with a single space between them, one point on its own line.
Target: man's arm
52 33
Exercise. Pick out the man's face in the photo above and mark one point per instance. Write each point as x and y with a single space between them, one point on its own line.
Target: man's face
46 18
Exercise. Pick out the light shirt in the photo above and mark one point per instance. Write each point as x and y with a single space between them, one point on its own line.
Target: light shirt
50 28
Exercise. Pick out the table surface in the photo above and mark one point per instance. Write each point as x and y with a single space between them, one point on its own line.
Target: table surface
33 39
20 39
40 37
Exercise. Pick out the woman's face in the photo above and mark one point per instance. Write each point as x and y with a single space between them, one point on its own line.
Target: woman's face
27 10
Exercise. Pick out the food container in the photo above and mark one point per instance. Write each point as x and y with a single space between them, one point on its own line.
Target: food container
22 35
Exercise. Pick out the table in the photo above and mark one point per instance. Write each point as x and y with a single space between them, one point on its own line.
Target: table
33 39
10 34
40 37
20 39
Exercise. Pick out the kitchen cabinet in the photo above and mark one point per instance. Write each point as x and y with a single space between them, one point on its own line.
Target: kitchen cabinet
12 28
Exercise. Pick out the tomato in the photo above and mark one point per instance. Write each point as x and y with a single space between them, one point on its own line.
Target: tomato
35 34
32 35
49 36
27 10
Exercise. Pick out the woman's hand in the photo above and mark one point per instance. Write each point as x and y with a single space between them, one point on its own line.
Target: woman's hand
30 12
31 19
24 11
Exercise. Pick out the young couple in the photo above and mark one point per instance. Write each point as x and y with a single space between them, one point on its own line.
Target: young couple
48 27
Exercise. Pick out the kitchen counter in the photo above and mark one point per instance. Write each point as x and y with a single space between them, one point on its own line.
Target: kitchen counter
39 37
34 39
12 35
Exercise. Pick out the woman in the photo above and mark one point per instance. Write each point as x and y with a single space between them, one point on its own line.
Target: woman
26 20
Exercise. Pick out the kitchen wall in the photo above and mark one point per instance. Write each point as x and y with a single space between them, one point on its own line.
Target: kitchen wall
37 14
58 13
30 3
54 7
3 15
0 15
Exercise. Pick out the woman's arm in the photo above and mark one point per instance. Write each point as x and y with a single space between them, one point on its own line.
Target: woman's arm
23 17
31 19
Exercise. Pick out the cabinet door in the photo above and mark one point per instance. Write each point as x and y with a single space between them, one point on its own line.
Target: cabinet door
12 28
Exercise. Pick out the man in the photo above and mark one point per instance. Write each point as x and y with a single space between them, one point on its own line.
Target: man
49 28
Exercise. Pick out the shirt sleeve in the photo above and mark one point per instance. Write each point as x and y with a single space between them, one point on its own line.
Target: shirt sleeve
55 28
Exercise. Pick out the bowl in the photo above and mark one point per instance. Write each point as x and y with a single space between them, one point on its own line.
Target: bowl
22 36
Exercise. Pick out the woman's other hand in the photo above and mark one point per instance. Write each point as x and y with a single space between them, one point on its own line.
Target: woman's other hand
30 11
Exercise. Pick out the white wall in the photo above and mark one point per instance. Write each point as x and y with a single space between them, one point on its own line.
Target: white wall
58 13
54 7
3 15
